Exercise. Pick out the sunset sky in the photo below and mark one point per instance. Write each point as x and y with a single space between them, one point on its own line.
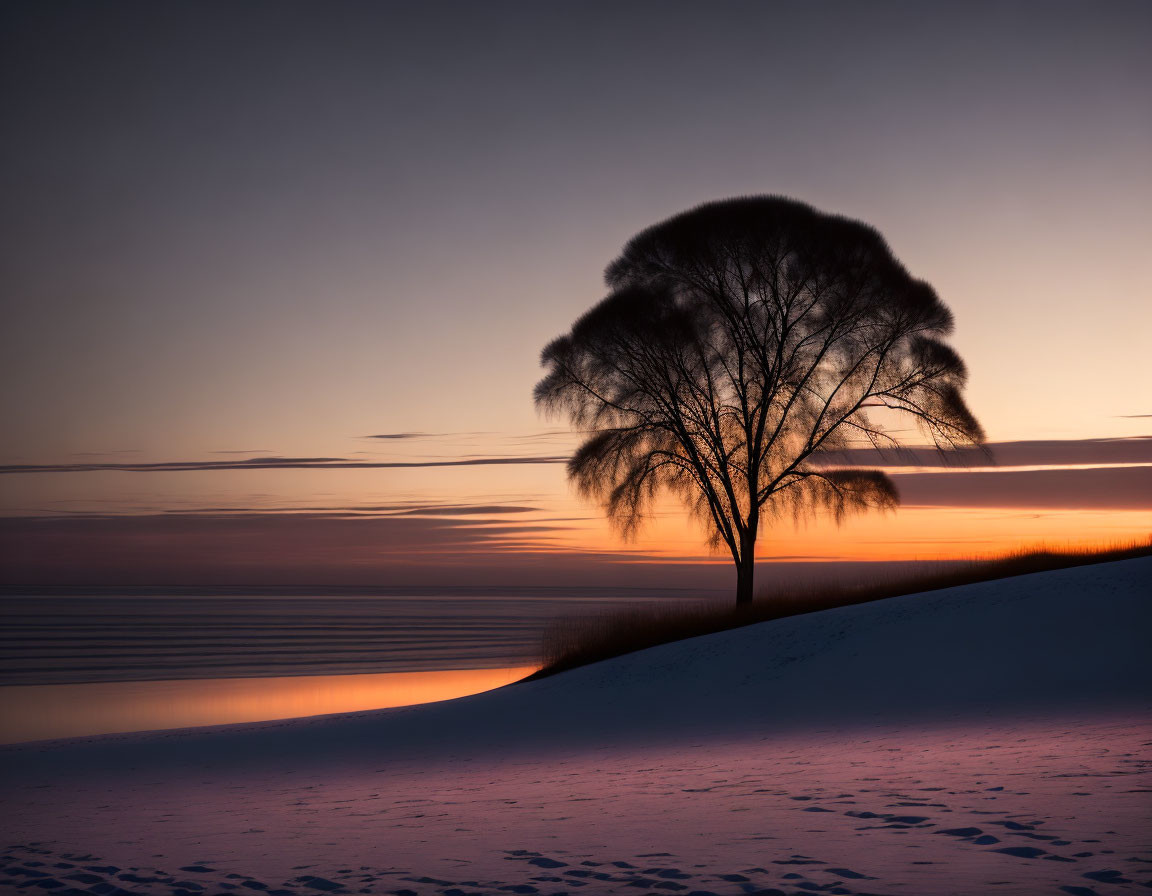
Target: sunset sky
277 275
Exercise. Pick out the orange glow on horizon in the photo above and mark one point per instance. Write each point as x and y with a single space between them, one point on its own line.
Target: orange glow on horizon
908 533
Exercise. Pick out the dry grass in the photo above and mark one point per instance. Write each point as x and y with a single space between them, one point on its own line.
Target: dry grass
573 642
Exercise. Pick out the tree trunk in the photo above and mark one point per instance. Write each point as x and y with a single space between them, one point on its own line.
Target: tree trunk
745 570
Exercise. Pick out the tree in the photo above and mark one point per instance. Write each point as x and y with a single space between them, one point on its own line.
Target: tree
741 345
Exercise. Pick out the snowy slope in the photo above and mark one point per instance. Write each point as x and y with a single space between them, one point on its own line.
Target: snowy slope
919 743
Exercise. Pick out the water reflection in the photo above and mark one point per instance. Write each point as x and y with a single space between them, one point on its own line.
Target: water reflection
40 712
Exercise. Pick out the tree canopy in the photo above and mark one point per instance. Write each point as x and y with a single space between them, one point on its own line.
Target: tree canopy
742 344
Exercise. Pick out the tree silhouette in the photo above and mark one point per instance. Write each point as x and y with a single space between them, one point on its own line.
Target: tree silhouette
742 344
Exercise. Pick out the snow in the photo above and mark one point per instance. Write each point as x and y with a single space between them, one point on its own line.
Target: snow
992 737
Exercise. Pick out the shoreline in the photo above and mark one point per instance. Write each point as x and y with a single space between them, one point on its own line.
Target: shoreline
39 712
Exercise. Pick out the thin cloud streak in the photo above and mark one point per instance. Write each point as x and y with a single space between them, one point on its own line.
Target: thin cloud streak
1033 452
1037 452
395 510
1093 488
275 463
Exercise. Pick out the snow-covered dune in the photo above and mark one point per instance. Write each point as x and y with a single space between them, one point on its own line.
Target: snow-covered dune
916 745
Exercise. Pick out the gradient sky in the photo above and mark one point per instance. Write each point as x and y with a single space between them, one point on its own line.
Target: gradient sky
274 230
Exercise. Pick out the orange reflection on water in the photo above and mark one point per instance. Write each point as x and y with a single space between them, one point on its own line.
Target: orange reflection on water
42 712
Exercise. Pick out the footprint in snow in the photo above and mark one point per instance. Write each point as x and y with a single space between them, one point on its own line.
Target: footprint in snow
1023 852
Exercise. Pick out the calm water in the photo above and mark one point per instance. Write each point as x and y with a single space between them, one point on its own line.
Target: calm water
54 639
76 664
